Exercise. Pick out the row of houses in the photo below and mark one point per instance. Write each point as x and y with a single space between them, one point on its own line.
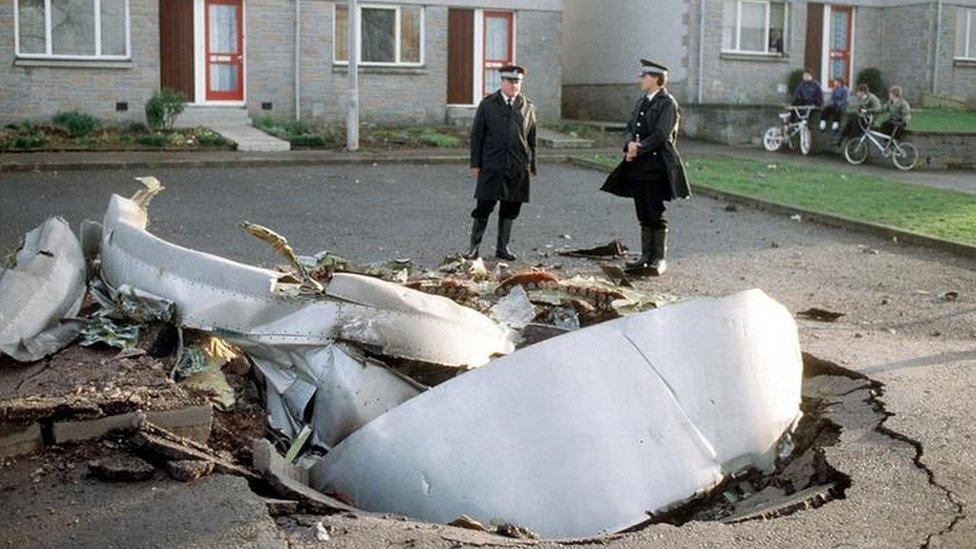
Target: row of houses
741 51
431 61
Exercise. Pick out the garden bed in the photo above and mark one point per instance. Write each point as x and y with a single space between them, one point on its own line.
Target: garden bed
28 136
305 135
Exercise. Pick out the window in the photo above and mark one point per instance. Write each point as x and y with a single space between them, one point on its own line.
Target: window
389 35
966 34
754 26
72 29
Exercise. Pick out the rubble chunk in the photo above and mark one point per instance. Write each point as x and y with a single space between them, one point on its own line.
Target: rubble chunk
186 470
121 468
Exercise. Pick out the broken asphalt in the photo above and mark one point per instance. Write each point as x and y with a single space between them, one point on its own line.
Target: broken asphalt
912 479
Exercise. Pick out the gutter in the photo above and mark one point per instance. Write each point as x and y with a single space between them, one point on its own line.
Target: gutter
298 50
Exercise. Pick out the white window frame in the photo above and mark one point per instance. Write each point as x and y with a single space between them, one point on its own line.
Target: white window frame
49 43
968 53
767 4
396 38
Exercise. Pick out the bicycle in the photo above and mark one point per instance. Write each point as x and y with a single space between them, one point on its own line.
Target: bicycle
776 136
904 155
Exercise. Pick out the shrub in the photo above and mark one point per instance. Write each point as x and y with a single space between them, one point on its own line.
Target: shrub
77 123
270 126
28 141
307 141
437 139
209 138
136 127
793 80
153 139
298 127
164 108
873 78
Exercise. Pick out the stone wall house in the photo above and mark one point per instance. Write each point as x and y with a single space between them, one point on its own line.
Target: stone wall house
741 51
422 61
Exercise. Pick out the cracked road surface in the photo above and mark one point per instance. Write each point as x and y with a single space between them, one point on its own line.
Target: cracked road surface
896 330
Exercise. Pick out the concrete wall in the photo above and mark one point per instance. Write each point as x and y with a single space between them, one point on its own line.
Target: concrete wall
955 78
539 41
270 55
28 90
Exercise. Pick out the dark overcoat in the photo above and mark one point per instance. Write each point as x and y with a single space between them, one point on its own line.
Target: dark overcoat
503 144
658 163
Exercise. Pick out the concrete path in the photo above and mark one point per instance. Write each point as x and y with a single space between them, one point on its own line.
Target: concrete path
249 138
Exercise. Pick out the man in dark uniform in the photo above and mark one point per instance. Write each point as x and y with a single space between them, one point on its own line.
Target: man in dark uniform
503 141
652 172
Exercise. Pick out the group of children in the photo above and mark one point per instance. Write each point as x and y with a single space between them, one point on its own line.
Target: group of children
844 110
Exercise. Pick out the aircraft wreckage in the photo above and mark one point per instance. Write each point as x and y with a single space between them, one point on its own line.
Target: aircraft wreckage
582 434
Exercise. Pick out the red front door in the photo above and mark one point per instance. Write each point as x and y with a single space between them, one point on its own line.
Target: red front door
498 47
225 50
840 43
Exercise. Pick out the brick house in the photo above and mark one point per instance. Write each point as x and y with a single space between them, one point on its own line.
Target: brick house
422 61
741 51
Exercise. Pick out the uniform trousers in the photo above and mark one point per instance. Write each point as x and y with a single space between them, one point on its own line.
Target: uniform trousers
508 210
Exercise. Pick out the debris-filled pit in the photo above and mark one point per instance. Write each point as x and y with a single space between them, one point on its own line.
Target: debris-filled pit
441 395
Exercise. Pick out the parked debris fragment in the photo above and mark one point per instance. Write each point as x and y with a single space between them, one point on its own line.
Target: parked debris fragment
41 291
820 315
638 400
615 249
121 467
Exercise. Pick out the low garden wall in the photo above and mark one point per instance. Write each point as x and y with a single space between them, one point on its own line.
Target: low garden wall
745 125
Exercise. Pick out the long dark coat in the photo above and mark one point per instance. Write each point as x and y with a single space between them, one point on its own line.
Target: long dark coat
503 143
658 162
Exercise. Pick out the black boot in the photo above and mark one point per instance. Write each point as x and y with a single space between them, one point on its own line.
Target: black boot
647 251
660 242
504 235
477 232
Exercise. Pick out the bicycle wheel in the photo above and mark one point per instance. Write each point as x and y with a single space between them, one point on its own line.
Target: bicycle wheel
904 155
856 151
773 139
806 140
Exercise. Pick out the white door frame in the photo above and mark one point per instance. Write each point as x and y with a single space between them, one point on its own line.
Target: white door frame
200 56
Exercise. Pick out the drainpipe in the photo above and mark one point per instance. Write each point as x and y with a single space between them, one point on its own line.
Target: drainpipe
701 51
938 43
352 119
298 69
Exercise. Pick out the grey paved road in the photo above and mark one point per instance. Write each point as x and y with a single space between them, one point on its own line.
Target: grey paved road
896 329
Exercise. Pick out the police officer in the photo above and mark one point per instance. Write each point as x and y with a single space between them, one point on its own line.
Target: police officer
503 144
651 172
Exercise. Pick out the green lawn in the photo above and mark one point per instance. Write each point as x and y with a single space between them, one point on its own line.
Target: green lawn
943 120
934 212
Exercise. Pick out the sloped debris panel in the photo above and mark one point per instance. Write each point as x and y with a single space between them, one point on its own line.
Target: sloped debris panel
40 290
292 336
586 433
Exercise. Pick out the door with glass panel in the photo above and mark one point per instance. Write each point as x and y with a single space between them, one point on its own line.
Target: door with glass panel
839 65
498 47
225 50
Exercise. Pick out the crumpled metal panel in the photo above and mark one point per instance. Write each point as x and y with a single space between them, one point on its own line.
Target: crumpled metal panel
585 433
415 325
293 340
46 285
219 295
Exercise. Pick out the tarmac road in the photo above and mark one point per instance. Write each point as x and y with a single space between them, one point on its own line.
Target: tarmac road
896 329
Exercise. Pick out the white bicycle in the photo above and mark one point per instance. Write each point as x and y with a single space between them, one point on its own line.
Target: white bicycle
903 154
791 133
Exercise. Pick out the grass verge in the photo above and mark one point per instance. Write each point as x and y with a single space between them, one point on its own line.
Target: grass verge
945 214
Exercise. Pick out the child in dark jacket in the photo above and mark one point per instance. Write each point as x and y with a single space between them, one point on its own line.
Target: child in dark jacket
833 111
808 93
